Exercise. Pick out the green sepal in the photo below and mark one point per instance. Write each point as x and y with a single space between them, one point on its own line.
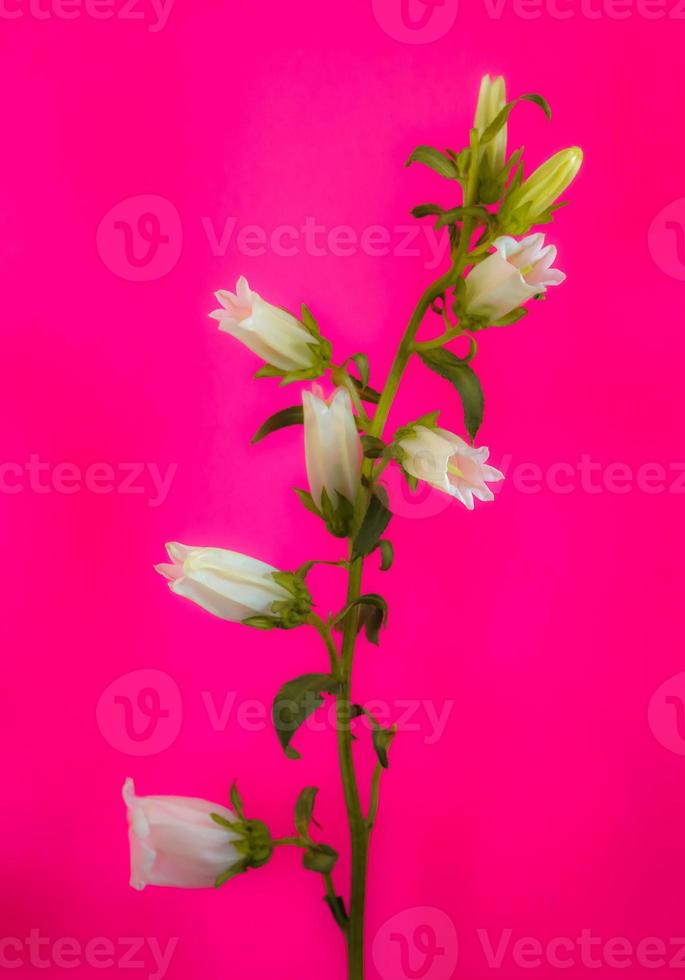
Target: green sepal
236 869
320 858
338 516
506 321
428 421
287 416
436 160
260 622
309 322
307 501
464 379
222 821
295 702
304 810
376 520
236 800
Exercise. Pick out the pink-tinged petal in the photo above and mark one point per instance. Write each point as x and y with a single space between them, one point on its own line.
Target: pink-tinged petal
244 293
506 246
482 492
170 572
554 277
174 841
492 475
226 298
223 315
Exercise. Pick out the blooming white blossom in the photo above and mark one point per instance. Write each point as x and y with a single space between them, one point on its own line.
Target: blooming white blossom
447 462
511 275
271 333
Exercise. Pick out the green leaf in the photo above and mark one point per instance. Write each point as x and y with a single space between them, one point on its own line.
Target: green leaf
308 501
423 210
375 521
320 858
382 739
373 447
337 906
464 379
295 702
538 100
287 416
362 364
435 160
304 810
387 554
373 615
502 116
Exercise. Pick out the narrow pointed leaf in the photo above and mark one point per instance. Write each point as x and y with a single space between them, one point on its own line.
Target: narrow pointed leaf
464 379
287 416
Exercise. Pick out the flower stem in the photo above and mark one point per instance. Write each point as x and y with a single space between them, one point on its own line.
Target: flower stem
361 825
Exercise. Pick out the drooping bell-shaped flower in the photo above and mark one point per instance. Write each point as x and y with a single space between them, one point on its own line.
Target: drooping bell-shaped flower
270 332
448 463
236 587
509 277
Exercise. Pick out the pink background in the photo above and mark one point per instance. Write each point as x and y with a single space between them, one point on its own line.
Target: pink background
552 802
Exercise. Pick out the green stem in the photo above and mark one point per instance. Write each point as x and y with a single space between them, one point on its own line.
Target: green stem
324 631
360 826
358 830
